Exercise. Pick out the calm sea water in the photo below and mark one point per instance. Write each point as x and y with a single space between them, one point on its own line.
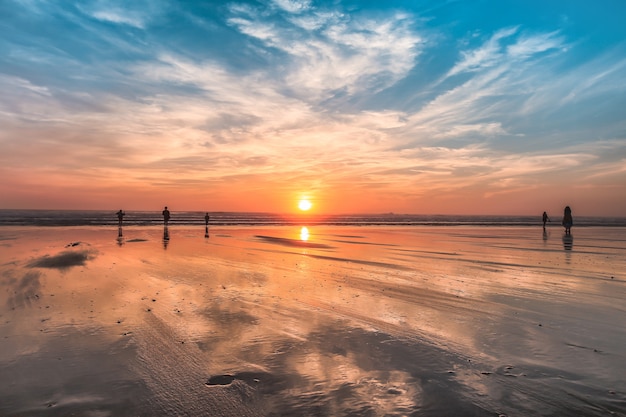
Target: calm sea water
149 218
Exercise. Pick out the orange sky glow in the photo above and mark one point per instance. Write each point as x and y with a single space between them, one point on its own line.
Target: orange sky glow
360 108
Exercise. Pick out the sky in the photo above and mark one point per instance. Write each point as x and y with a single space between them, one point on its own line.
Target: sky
360 106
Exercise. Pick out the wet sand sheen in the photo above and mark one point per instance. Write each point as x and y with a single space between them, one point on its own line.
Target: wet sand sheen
380 321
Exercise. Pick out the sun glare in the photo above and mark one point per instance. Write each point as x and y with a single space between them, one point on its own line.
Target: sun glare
304 205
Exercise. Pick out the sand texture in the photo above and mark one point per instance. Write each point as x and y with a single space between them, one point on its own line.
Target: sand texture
329 321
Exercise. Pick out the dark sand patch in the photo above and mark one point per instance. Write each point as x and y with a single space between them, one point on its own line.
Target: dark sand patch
293 242
63 260
361 262
270 383
75 373
428 252
24 291
351 242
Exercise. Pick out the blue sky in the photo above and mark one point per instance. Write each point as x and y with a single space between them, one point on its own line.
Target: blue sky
361 106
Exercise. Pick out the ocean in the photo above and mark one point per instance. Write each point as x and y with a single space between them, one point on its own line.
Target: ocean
189 218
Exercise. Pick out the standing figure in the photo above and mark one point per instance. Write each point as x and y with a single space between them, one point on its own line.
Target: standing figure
166 216
206 225
120 217
568 221
545 219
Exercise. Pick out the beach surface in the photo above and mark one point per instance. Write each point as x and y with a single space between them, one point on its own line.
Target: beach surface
317 321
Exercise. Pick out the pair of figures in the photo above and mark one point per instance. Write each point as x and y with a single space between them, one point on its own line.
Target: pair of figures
166 217
567 222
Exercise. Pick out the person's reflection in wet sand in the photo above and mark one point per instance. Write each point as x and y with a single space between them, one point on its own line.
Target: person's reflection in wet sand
568 242
120 236
545 235
166 237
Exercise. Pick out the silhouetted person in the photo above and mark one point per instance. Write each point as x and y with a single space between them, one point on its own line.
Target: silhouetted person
120 217
568 221
166 216
545 219
206 225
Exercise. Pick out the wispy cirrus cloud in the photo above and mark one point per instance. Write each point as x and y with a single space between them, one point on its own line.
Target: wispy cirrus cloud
137 14
487 55
331 51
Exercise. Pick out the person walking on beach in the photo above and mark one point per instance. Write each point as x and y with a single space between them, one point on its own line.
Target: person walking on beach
166 216
545 219
568 221
120 217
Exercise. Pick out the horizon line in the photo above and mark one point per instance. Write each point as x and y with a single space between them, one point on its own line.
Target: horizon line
303 214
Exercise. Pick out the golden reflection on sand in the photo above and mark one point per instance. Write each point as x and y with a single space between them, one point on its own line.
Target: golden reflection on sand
304 233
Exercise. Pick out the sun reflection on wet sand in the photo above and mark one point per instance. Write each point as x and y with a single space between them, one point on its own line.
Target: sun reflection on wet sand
304 233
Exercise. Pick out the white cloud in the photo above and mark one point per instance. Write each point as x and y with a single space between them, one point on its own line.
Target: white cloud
120 17
293 6
488 55
527 46
481 129
137 13
332 51
259 30
495 52
17 83
463 106
601 76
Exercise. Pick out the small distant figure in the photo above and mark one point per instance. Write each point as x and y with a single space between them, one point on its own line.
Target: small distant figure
120 217
166 216
545 219
206 219
568 221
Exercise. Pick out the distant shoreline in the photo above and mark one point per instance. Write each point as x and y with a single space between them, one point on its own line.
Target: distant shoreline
194 218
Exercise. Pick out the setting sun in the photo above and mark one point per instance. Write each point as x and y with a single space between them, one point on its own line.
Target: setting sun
304 205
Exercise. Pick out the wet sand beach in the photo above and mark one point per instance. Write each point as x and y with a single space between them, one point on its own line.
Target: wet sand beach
327 321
